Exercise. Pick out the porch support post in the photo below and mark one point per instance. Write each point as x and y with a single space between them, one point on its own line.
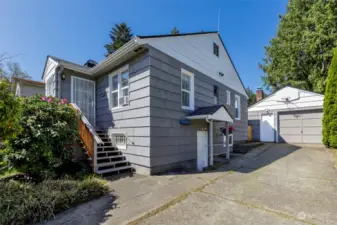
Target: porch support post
211 142
95 157
227 141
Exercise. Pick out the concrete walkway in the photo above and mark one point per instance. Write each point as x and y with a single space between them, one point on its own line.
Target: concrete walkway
274 184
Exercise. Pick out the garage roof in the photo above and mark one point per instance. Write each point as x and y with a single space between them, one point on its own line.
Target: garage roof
289 98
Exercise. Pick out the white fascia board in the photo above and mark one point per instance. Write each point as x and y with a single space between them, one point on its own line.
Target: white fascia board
49 68
114 56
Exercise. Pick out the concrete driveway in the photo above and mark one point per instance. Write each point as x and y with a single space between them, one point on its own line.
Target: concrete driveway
284 184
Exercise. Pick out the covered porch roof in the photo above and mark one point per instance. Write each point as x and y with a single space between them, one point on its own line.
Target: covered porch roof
215 112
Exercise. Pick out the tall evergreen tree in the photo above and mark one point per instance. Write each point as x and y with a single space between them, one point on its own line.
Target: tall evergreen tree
175 31
301 52
120 35
330 106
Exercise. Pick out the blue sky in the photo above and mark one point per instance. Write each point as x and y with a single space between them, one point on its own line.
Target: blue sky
77 30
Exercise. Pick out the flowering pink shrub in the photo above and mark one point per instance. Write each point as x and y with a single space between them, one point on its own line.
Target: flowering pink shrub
47 142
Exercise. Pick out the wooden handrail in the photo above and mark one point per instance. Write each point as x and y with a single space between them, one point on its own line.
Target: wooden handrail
88 136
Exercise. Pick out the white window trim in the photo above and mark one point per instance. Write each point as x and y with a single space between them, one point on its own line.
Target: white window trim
50 77
228 97
191 92
119 87
237 97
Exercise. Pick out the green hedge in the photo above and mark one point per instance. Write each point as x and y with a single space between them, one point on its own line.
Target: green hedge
28 203
330 106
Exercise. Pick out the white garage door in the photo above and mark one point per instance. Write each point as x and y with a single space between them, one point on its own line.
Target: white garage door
301 127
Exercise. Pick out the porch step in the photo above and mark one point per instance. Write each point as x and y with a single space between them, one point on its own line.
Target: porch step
111 163
114 169
110 157
106 148
108 153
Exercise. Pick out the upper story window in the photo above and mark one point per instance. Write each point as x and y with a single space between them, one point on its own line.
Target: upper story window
215 49
187 90
228 97
50 86
119 88
216 94
237 107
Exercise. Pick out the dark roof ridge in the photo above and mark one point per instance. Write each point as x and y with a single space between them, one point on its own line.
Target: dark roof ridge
176 35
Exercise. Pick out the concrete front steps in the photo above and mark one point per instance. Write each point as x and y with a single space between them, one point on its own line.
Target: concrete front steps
110 160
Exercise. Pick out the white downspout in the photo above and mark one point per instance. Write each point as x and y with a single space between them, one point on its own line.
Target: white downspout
210 138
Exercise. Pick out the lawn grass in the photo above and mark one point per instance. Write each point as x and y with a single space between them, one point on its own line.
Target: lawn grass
29 203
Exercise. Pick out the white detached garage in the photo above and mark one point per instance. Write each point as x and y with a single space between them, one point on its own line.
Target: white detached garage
289 115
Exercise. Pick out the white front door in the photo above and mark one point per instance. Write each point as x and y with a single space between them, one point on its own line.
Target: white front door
202 149
83 95
267 128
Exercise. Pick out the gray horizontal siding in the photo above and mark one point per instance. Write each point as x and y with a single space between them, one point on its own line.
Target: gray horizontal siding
133 119
171 142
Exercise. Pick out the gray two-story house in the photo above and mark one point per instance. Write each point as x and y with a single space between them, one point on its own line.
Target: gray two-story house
158 103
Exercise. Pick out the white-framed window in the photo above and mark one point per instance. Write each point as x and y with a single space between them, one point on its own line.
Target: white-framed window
237 107
228 97
119 88
187 90
50 86
230 140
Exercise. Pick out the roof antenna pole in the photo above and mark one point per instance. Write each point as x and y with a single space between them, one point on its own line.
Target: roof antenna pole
219 20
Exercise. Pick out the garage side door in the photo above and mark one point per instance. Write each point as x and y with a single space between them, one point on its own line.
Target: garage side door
301 127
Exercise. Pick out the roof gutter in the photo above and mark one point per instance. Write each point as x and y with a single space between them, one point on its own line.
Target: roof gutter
114 56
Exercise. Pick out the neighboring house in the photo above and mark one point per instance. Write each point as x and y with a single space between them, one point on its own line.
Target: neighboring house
25 87
289 115
159 92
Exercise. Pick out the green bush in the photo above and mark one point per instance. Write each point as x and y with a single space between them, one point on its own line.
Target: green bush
28 203
330 106
10 111
45 147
